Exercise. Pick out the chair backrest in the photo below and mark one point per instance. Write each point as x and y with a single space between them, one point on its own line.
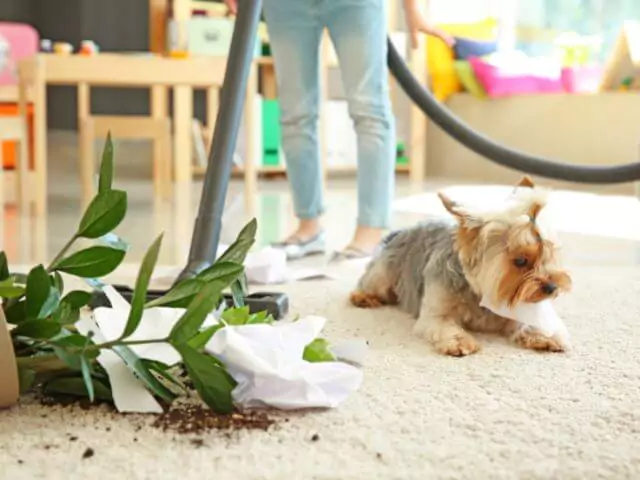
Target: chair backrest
17 41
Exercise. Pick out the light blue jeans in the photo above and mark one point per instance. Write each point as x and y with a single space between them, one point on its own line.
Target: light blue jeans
358 31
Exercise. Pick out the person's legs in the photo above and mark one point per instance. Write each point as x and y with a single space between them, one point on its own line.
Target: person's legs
294 35
359 32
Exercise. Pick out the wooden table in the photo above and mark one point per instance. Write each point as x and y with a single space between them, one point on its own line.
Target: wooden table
158 73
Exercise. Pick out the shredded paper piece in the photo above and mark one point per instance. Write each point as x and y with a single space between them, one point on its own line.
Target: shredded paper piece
107 324
541 315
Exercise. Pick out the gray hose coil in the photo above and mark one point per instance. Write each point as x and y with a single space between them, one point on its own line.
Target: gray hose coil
495 152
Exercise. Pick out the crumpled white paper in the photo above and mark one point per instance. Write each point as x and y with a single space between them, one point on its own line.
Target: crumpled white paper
267 266
107 324
541 315
266 361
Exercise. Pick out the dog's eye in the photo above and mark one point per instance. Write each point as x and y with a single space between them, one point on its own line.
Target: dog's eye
520 262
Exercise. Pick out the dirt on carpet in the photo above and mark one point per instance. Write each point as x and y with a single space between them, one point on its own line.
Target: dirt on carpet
182 418
193 419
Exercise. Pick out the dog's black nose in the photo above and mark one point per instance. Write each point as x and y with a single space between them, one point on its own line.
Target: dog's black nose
549 288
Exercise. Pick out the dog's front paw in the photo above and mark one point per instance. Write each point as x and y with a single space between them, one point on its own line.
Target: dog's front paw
459 345
533 340
365 300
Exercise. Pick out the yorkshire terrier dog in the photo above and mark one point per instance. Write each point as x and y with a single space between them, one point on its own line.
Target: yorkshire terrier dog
438 272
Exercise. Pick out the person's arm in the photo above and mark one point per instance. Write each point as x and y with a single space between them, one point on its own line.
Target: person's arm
417 23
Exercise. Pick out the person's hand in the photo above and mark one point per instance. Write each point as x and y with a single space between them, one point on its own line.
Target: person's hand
417 24
232 5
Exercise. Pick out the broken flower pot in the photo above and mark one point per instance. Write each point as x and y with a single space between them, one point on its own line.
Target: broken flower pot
9 383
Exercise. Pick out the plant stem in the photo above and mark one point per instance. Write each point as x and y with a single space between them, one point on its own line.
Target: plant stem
61 254
127 343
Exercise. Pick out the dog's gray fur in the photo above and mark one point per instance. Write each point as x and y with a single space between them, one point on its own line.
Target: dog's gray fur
411 257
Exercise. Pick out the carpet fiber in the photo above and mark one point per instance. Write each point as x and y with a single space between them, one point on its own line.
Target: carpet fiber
504 413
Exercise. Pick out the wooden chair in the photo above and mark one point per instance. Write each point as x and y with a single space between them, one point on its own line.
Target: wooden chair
23 42
156 128
15 129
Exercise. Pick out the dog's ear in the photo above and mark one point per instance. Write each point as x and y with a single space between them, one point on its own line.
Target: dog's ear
526 182
534 210
452 207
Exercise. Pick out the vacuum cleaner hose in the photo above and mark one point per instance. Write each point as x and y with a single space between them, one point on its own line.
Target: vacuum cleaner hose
495 152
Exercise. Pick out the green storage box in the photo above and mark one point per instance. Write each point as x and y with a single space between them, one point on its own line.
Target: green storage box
270 133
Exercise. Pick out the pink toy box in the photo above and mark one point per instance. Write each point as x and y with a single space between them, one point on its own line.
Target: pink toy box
515 75
583 79
17 41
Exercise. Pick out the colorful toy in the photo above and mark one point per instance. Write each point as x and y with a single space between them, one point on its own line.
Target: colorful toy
88 47
62 48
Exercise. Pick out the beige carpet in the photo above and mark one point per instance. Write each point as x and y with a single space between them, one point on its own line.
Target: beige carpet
501 414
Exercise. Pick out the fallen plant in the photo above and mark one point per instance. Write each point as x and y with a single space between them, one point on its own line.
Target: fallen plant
52 354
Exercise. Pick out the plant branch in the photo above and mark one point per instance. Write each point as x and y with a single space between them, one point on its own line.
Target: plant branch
128 343
61 254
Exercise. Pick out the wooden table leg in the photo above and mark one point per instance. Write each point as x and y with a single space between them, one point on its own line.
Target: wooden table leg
182 119
161 157
86 138
23 168
40 139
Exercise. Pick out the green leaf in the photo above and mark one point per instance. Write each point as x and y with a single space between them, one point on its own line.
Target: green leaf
4 266
235 316
106 166
179 296
229 270
213 383
238 250
260 317
163 370
51 304
140 290
37 328
57 282
136 365
237 294
202 305
26 379
66 314
77 298
202 338
76 386
86 376
11 291
38 287
104 213
16 313
318 351
92 262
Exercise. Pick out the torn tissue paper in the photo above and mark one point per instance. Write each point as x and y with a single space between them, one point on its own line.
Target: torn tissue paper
267 362
541 315
107 324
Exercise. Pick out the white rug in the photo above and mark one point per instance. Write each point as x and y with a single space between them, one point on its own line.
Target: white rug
612 216
504 413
